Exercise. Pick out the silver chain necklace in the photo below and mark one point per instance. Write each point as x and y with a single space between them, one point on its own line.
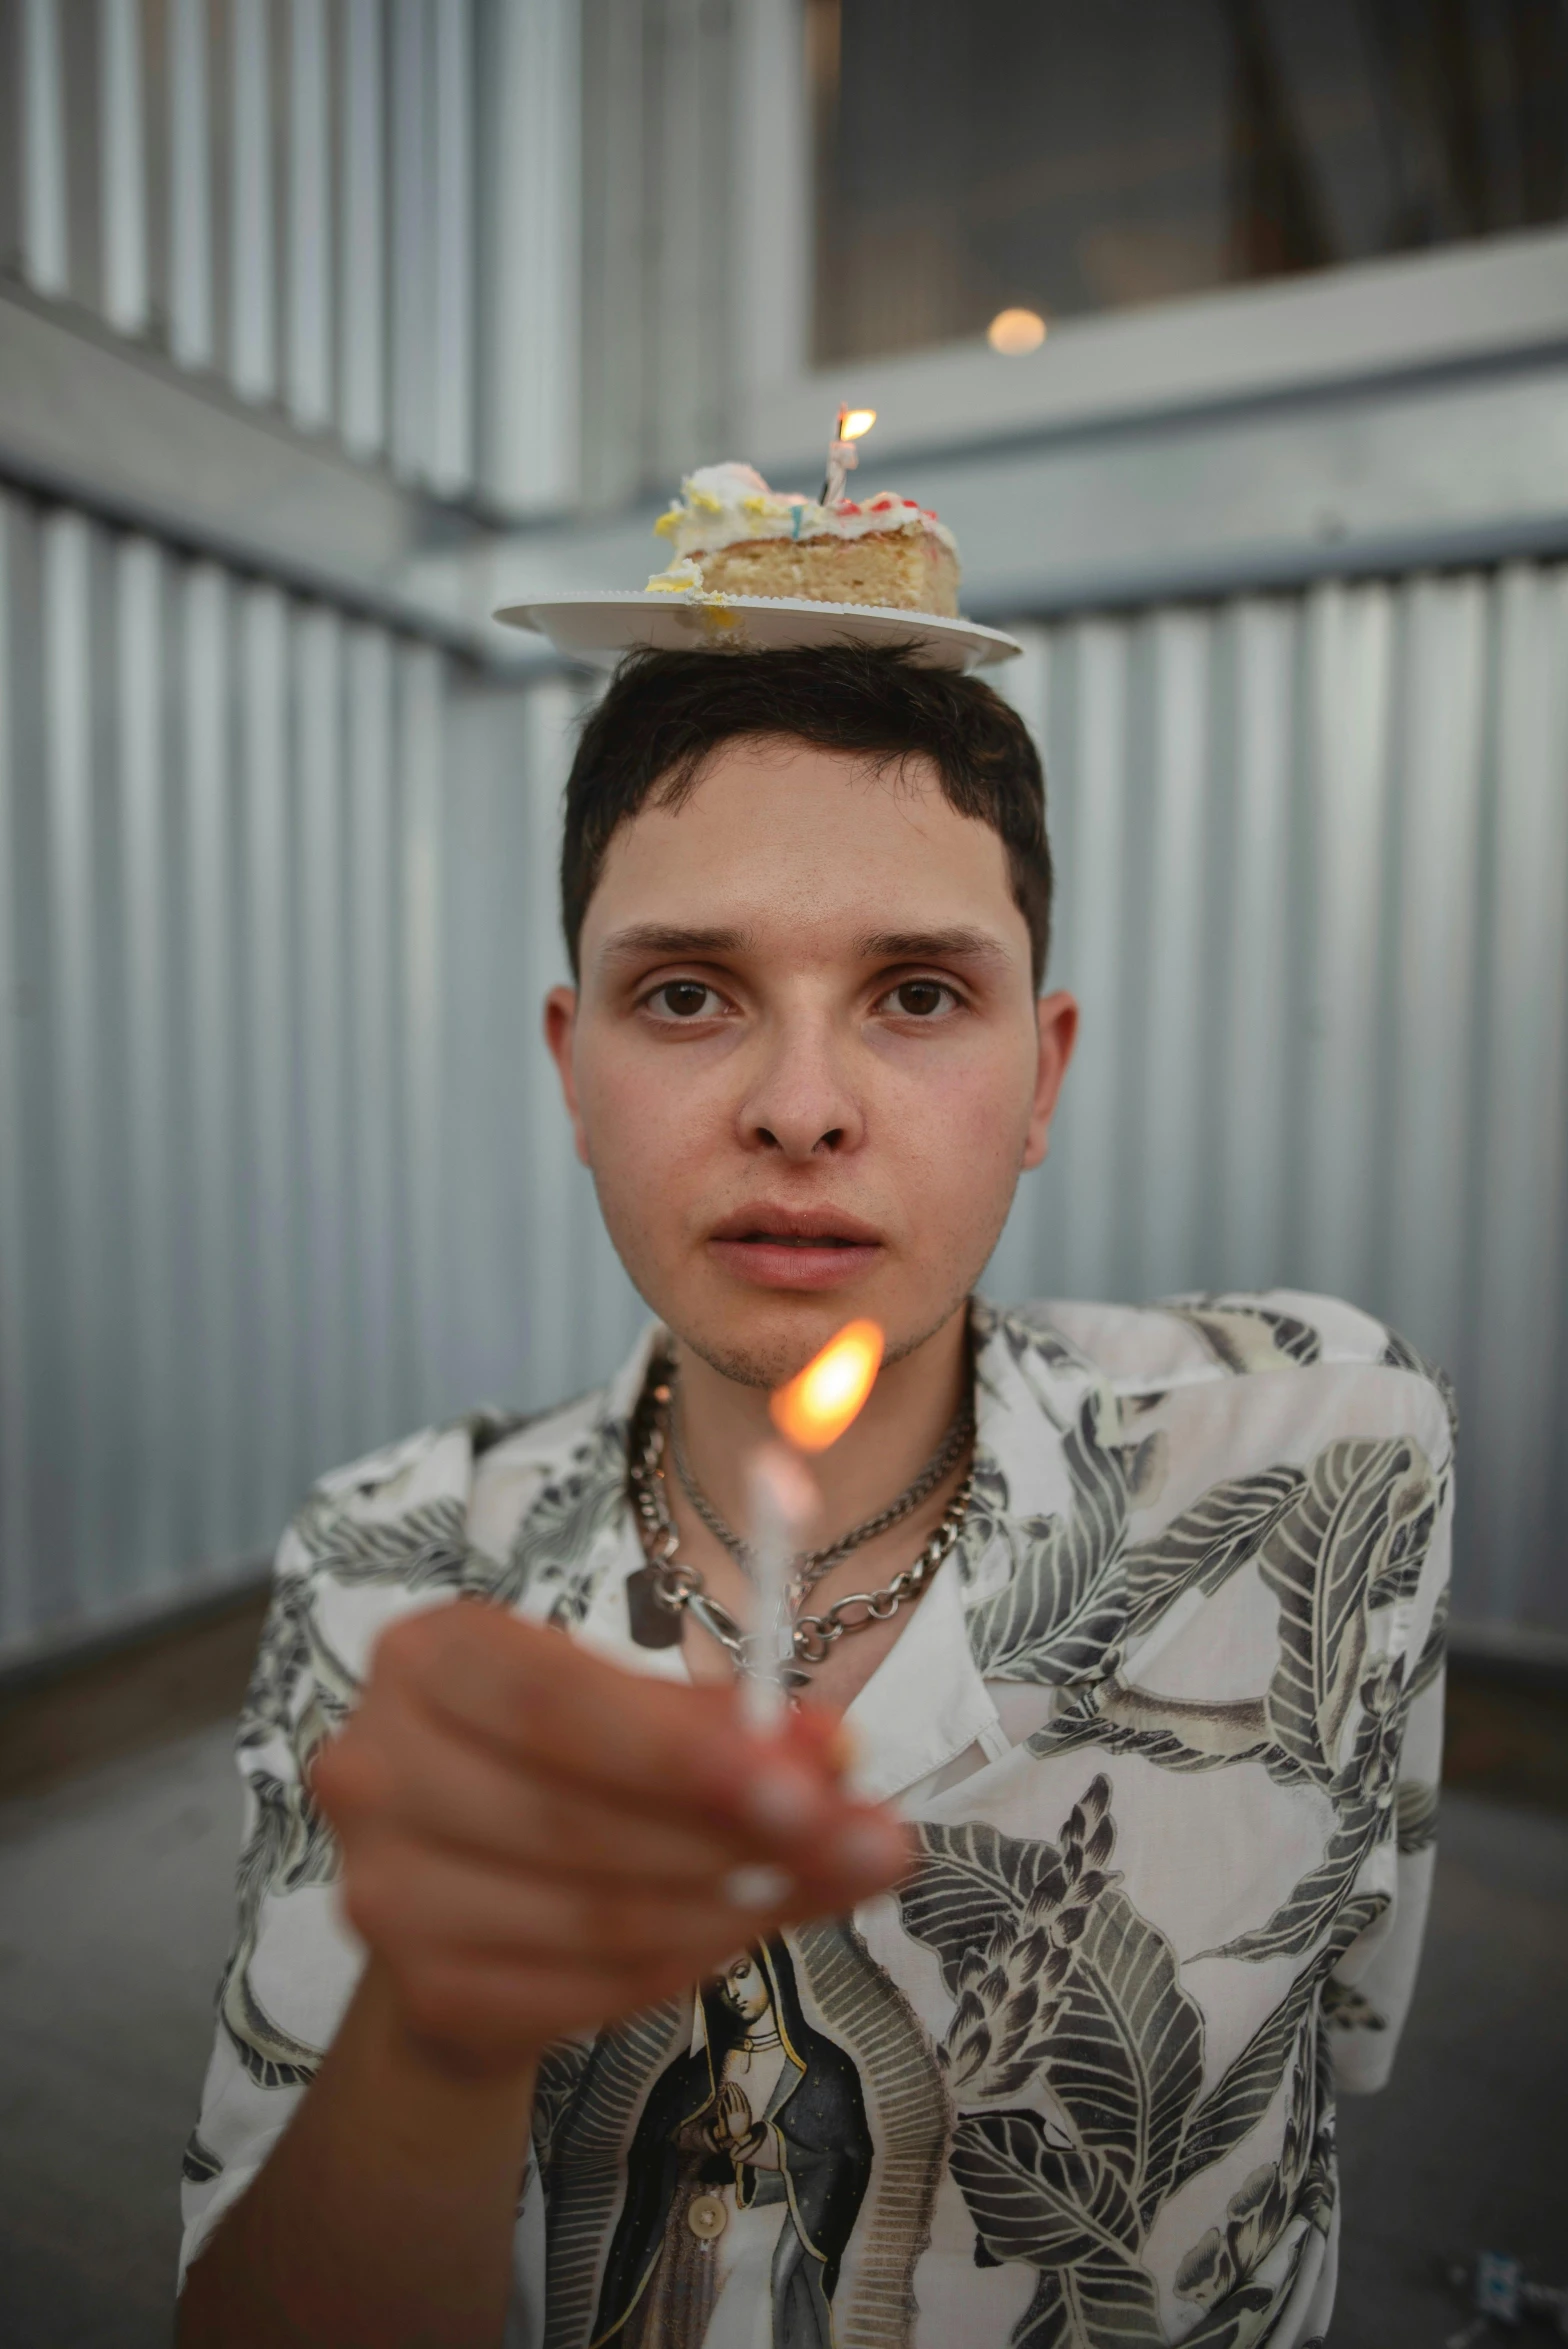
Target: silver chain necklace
811 1565
675 1587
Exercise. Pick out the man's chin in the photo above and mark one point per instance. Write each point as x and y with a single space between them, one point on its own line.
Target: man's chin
768 1342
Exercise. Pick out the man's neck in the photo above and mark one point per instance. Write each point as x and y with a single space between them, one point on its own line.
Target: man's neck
904 1420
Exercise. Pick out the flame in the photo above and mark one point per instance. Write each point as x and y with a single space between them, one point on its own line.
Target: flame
821 1400
855 423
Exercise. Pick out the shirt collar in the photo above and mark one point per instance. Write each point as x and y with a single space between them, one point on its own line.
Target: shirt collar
1035 1394
925 1703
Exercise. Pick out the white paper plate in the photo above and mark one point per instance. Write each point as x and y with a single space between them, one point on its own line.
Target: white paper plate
599 628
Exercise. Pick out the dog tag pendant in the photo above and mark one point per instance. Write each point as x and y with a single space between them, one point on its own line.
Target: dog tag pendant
653 1625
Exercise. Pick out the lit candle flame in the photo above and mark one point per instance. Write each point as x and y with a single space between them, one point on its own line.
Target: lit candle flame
819 1403
855 423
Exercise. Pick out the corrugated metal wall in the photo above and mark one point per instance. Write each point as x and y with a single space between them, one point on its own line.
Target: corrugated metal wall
282 1168
282 196
220 1080
1314 899
659 165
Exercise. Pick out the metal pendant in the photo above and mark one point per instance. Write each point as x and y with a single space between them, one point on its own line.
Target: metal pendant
653 1624
707 2217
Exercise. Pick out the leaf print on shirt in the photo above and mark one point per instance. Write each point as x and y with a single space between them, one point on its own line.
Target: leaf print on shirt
1250 1337
1061 1987
1060 1615
1415 1814
1354 1540
426 1548
555 1550
290 1845
1065 1993
1336 1546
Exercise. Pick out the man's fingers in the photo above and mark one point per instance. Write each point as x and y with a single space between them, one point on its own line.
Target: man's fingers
470 1797
654 1745
405 1892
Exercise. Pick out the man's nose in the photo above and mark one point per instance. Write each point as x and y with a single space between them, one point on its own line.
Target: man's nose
801 1101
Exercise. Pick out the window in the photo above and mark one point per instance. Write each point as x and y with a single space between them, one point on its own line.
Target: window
1081 156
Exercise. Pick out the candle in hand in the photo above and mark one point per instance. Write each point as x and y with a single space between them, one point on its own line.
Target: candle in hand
782 1499
810 1413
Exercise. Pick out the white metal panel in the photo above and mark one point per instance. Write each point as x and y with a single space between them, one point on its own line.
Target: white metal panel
1518 1353
77 1040
1349 653
362 257
425 1156
450 328
267 1120
309 353
148 834
122 98
616 229
1249 1097
216 1433
321 884
372 1070
411 238
253 351
17 1370
45 210
532 208
1094 957
192 339
1172 1015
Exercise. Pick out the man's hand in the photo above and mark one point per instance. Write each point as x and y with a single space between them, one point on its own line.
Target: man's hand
535 1841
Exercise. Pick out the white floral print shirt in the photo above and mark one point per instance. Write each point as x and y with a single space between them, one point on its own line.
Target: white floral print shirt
1168 1726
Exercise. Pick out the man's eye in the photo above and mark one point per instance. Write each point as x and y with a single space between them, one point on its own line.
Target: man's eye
921 998
684 999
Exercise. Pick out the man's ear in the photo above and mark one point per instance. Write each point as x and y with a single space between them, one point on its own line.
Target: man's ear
1057 1017
560 1029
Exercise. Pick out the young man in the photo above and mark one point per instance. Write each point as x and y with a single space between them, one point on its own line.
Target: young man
1020 1999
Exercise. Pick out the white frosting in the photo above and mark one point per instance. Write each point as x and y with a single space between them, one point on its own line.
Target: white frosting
724 505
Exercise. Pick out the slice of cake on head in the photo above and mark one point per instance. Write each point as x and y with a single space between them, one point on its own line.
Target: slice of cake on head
732 535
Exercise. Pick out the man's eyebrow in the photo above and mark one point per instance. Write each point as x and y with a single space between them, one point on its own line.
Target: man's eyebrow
669 943
958 945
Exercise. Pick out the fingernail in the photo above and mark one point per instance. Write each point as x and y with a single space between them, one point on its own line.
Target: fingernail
757 1888
864 1850
781 1800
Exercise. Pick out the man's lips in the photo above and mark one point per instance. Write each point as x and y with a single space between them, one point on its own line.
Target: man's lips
783 1248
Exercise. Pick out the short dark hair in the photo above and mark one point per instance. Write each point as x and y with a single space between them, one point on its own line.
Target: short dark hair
664 713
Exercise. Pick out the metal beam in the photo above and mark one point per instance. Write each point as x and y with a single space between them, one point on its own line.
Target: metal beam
107 426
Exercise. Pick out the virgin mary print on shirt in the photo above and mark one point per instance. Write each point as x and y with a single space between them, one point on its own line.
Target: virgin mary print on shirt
745 2177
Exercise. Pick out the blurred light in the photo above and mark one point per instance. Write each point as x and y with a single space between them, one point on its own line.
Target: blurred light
1013 332
857 422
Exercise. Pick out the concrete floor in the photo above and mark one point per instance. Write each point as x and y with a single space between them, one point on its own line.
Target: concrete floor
114 1916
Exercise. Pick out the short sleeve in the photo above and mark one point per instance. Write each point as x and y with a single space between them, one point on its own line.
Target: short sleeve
1368 1995
293 1965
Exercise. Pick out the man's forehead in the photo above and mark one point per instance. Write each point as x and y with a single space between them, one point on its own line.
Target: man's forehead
783 834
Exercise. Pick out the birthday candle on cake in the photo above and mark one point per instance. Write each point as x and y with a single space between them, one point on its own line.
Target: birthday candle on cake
843 456
810 1413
